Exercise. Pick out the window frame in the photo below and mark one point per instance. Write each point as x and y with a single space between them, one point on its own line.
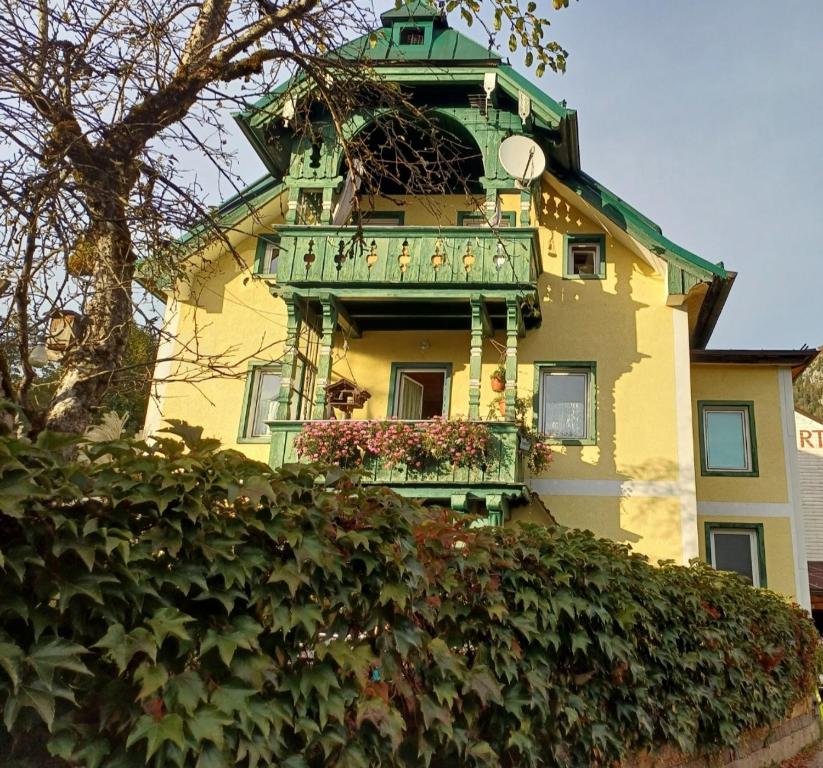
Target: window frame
396 368
255 368
509 216
411 28
572 366
264 242
570 240
390 218
704 406
759 548
305 209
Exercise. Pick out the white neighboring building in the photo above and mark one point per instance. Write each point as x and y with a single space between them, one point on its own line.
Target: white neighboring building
810 468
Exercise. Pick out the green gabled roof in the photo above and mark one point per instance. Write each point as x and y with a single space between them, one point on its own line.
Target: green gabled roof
447 45
640 227
240 205
416 10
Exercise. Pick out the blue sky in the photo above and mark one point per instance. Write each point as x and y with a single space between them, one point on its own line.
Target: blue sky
708 117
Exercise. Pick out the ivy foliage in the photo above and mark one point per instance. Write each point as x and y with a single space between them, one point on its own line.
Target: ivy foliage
179 605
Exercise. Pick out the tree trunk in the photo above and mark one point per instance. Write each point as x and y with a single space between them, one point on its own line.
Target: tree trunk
88 365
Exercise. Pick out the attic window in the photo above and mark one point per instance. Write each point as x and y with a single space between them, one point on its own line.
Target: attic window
585 257
412 36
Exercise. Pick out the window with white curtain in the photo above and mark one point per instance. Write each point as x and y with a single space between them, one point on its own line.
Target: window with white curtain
565 403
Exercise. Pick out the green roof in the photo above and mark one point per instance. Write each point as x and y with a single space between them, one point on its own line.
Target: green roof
640 227
240 205
417 10
447 53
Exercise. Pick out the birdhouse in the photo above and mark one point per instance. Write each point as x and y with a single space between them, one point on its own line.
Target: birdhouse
64 329
345 395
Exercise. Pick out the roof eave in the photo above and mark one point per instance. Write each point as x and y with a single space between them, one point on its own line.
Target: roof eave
796 359
710 309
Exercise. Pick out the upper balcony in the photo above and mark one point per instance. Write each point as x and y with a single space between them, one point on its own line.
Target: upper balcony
430 258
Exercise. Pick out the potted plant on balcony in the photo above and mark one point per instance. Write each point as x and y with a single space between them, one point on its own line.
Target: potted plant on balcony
497 408
498 378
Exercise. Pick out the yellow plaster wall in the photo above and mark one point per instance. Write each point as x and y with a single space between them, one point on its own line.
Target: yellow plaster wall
759 384
777 540
649 525
230 320
621 322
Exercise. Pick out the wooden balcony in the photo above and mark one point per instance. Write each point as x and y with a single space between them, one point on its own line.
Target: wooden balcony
413 257
503 471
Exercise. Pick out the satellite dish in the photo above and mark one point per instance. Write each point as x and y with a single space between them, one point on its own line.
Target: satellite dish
522 158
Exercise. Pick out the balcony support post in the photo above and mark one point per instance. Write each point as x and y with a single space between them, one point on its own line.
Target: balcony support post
481 326
497 508
324 361
293 314
514 329
525 206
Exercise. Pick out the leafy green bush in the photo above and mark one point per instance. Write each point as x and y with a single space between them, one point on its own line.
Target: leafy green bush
181 605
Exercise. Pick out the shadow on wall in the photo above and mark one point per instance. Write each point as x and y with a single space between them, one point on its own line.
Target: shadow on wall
622 507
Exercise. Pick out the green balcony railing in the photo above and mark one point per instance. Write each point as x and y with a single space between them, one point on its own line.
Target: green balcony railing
417 256
504 466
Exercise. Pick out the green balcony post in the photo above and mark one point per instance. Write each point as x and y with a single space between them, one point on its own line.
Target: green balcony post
497 508
325 358
525 206
328 194
513 331
289 357
476 357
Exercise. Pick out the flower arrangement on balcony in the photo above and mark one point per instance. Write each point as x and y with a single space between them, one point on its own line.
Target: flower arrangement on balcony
534 445
538 451
349 443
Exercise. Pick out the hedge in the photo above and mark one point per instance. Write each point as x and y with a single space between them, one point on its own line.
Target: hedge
179 605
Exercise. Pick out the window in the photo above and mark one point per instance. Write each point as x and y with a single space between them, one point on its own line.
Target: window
412 36
478 219
419 391
585 257
268 251
263 389
737 548
565 406
310 207
727 439
382 218
305 367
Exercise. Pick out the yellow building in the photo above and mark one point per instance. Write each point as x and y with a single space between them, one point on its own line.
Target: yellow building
597 322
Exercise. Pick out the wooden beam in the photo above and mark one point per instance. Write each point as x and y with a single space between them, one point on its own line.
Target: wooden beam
344 320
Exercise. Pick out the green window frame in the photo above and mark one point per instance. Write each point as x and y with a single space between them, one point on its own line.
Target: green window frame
758 546
382 218
571 242
547 368
418 366
510 217
251 400
420 33
712 468
263 256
